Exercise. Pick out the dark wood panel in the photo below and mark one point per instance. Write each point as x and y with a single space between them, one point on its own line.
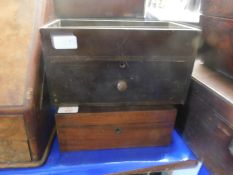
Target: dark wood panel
119 62
218 8
204 126
99 9
209 119
99 82
217 51
115 129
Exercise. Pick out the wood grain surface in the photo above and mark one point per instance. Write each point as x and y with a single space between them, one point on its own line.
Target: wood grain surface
13 151
13 140
12 128
85 131
16 33
24 119
209 126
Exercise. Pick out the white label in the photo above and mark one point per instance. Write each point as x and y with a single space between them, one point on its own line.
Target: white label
64 41
71 109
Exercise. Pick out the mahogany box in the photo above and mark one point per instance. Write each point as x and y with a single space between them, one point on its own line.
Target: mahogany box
209 122
113 127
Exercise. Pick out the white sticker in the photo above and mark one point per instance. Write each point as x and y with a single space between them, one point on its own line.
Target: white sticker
64 41
71 109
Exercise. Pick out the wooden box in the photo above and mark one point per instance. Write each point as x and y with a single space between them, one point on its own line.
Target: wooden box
217 52
209 126
102 128
119 62
25 121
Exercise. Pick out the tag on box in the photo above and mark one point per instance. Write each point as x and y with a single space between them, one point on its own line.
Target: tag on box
64 41
68 109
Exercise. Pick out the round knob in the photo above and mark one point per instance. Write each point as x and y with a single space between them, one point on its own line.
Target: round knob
122 85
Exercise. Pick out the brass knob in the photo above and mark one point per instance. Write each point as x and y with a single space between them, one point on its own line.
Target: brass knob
122 85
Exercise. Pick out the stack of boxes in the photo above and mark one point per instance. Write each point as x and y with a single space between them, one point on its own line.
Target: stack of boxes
113 77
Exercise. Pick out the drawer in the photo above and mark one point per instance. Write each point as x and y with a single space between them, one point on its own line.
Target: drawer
101 130
118 82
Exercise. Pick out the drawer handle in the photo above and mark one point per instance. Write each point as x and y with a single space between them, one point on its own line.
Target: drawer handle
118 131
122 85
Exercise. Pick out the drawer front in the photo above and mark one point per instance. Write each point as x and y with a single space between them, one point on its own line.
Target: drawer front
115 129
128 82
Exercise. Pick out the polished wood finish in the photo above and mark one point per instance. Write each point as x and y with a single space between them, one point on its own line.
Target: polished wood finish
99 9
219 8
23 96
209 126
217 51
101 130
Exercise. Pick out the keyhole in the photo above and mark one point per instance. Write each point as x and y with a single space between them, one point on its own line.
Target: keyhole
122 65
118 131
